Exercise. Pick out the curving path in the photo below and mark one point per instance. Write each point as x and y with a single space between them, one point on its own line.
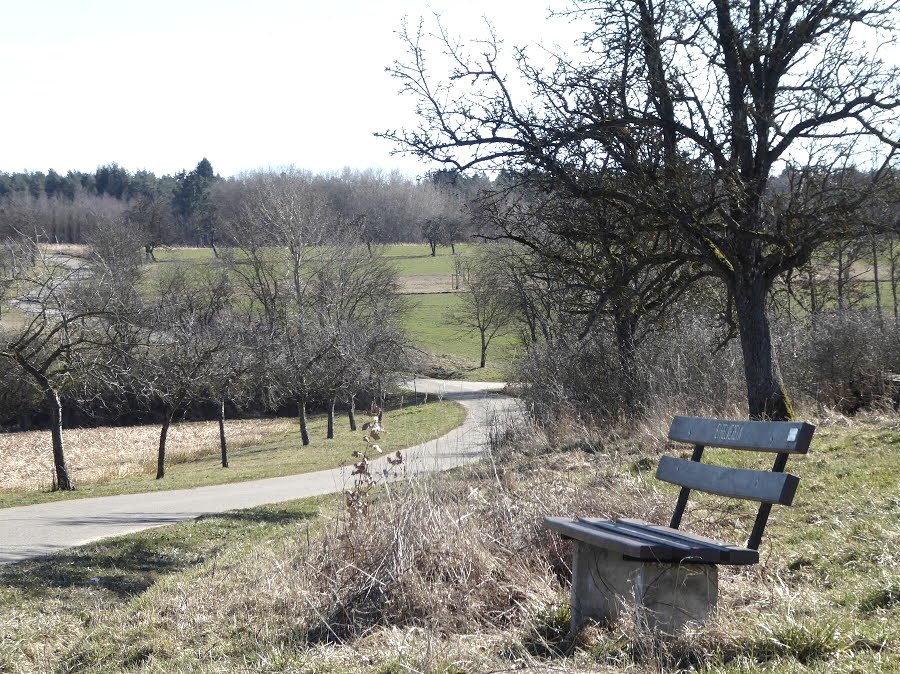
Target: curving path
37 530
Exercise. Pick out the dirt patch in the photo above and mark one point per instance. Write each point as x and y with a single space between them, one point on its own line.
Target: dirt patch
426 283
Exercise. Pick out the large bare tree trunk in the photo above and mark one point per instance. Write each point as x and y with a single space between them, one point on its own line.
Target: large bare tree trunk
63 482
484 347
223 443
626 346
163 434
304 431
766 395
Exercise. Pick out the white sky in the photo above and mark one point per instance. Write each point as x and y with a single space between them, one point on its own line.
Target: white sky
159 84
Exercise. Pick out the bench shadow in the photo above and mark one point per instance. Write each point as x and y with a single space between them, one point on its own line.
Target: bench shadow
129 565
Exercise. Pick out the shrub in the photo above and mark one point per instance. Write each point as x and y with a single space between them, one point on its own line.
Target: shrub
840 360
680 368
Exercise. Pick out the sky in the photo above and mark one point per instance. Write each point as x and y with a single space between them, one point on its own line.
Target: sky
160 84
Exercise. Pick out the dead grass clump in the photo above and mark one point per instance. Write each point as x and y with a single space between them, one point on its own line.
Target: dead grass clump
453 555
436 555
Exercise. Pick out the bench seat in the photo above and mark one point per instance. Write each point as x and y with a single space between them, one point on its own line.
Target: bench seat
641 541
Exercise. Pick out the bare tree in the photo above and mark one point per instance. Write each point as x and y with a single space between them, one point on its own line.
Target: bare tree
361 307
179 357
581 259
281 229
66 302
231 379
715 96
484 305
150 216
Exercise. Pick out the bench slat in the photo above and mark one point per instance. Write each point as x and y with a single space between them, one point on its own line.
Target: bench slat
642 541
737 554
790 437
636 531
609 541
679 548
753 485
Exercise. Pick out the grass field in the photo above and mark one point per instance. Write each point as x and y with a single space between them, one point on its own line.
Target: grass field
304 587
455 352
110 461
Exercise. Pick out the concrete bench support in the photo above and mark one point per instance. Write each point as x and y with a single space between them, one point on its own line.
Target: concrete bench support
666 596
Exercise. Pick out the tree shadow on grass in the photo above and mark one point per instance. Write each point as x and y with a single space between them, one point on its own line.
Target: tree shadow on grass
268 515
125 567
129 565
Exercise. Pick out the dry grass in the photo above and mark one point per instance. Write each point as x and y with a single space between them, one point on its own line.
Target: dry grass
442 577
103 454
73 249
452 574
426 283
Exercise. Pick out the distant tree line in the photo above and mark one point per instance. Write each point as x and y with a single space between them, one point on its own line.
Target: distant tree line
192 207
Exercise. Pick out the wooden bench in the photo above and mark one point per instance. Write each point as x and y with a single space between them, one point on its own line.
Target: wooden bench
669 574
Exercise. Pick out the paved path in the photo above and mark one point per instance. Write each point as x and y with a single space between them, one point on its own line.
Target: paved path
36 530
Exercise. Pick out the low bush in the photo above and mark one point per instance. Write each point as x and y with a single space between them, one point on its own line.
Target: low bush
846 362
683 368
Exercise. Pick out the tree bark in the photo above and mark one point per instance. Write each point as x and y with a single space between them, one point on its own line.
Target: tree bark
626 350
351 412
163 434
330 433
894 280
304 431
63 482
813 295
877 283
766 395
484 346
223 443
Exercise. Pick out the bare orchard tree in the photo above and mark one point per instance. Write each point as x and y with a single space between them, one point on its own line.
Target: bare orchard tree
65 304
183 345
231 379
362 309
282 230
149 218
583 253
485 305
277 225
718 97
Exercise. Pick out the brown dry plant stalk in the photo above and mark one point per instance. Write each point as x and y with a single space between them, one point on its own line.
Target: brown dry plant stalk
104 454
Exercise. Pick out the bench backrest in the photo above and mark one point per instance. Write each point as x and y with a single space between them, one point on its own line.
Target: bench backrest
782 438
